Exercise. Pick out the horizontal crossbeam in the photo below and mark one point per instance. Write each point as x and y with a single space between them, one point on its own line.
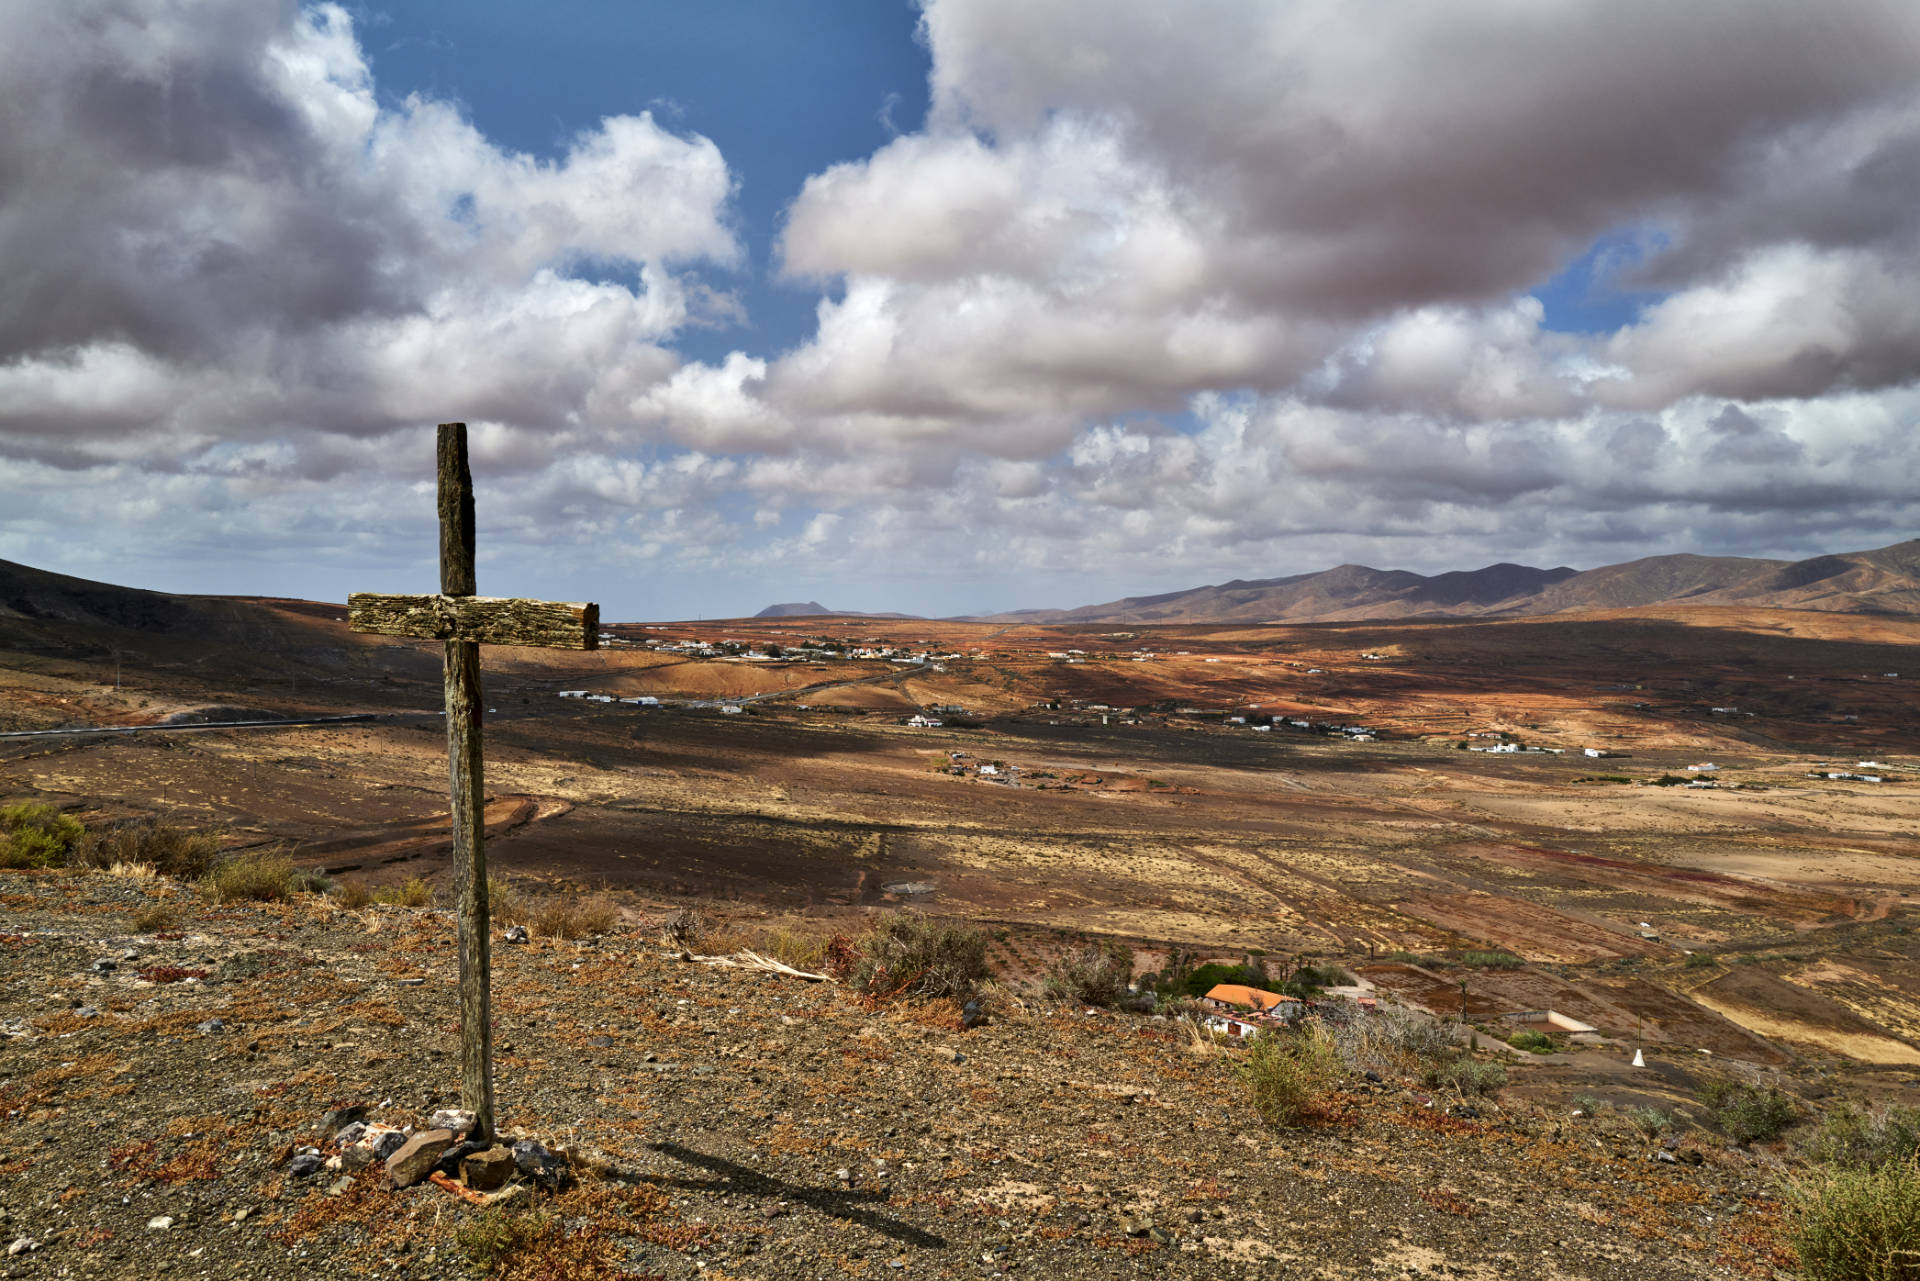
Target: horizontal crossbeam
489 620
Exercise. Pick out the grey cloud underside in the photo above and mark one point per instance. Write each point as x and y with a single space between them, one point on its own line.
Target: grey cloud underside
1162 290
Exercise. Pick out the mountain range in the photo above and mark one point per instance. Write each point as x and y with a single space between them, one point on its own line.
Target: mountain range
40 608
1886 580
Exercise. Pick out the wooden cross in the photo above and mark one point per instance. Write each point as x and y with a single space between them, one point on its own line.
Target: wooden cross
466 621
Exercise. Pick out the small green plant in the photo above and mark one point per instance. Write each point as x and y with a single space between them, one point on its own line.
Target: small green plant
254 875
1588 1103
1199 981
37 836
1700 961
1532 1041
1492 960
1854 1139
1650 1121
1859 1225
1097 974
1748 1113
1289 1076
907 954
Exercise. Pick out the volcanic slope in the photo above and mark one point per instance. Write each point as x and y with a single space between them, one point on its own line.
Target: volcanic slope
1883 580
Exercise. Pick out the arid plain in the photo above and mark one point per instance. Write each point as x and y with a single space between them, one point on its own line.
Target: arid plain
1094 780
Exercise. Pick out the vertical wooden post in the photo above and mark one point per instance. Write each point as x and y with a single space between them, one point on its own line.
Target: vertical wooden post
466 786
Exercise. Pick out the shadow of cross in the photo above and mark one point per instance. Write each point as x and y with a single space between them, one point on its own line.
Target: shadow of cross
848 1204
466 621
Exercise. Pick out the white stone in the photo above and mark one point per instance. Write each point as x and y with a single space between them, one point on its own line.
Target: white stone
160 1223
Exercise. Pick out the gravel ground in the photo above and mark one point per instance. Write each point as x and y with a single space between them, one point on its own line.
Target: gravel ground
730 1123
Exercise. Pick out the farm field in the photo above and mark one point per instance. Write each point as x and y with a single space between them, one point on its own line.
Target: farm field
1090 781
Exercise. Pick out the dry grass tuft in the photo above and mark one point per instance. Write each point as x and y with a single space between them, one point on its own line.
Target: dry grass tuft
799 948
260 876
573 918
410 893
153 918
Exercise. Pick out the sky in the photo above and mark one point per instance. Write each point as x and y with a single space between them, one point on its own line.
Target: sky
951 307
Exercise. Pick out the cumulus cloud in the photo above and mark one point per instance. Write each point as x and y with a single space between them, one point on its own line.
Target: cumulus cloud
213 229
1158 294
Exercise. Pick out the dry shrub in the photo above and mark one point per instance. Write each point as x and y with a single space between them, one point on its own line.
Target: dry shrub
1290 1076
414 892
907 954
256 876
1748 1113
1859 1224
1858 1140
1466 1074
686 929
352 894
573 918
1097 974
180 852
504 904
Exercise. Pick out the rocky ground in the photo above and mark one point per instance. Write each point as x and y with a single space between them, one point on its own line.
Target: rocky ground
731 1123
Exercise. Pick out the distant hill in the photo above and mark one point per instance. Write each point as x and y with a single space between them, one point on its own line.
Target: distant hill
809 609
238 636
1883 581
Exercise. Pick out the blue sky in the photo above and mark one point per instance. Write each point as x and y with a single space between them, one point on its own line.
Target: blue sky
952 306
784 89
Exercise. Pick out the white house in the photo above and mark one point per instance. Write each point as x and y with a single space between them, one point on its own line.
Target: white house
1591 751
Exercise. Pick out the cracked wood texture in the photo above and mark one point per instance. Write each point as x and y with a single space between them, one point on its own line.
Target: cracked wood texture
487 620
466 787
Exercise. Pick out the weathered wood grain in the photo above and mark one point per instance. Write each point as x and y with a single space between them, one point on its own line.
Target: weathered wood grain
489 620
466 788
465 781
456 511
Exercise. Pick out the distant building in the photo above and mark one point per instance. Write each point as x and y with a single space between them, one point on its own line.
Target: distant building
1235 996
